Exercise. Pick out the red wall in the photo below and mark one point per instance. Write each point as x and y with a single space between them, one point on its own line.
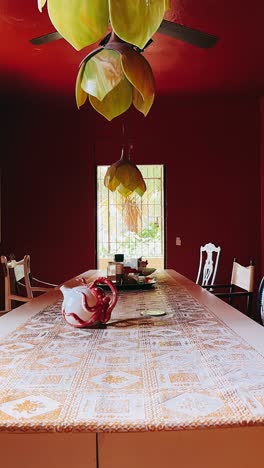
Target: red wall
262 180
48 188
210 147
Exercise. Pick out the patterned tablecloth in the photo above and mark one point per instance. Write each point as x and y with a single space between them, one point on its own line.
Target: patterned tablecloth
186 369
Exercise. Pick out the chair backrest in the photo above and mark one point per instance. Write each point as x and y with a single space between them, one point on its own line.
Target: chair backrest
261 302
208 265
243 277
17 275
6 279
22 272
14 272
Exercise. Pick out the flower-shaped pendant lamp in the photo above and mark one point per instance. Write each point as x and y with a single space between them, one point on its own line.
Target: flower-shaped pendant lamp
113 77
116 75
124 176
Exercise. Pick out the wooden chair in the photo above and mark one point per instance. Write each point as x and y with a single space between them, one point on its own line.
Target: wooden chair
209 259
17 277
241 285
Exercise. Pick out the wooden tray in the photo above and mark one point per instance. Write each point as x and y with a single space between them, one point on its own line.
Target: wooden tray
147 285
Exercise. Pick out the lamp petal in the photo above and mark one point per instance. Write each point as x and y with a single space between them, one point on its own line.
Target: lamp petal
110 180
116 102
124 191
136 21
141 186
80 22
142 105
41 4
126 173
102 73
123 175
113 184
80 94
139 192
139 72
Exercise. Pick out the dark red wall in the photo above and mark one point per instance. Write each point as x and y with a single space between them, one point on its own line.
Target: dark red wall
210 148
48 188
262 179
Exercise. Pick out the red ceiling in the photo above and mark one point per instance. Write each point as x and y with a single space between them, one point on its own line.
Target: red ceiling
234 65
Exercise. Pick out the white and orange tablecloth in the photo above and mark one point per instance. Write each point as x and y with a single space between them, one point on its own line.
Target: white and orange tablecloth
187 369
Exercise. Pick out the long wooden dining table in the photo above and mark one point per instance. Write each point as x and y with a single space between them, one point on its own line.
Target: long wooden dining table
183 389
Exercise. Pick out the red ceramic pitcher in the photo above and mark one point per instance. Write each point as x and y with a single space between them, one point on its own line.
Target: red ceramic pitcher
86 305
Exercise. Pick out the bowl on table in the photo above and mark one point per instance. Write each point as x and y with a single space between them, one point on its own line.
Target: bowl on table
146 271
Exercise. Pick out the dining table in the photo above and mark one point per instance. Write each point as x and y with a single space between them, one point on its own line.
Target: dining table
181 389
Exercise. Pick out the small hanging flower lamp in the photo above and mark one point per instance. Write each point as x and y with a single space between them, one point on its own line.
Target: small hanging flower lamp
124 176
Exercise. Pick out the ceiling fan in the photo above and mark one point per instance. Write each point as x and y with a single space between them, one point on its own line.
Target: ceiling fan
183 33
133 82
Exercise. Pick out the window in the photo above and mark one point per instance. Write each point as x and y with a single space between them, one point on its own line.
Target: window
134 225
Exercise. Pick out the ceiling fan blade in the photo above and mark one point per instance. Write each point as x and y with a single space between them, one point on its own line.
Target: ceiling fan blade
176 30
54 36
186 34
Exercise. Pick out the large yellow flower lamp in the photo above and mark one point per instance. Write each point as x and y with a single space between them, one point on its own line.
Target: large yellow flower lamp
124 176
113 77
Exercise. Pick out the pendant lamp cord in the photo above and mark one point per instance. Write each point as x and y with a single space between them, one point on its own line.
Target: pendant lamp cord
126 124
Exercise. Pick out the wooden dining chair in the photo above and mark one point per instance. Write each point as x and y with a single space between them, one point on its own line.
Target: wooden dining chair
208 265
241 285
18 279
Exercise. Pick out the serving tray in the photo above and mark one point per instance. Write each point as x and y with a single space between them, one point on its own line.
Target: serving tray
147 285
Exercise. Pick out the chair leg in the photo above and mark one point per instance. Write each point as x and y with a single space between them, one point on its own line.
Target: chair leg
8 305
249 304
230 297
